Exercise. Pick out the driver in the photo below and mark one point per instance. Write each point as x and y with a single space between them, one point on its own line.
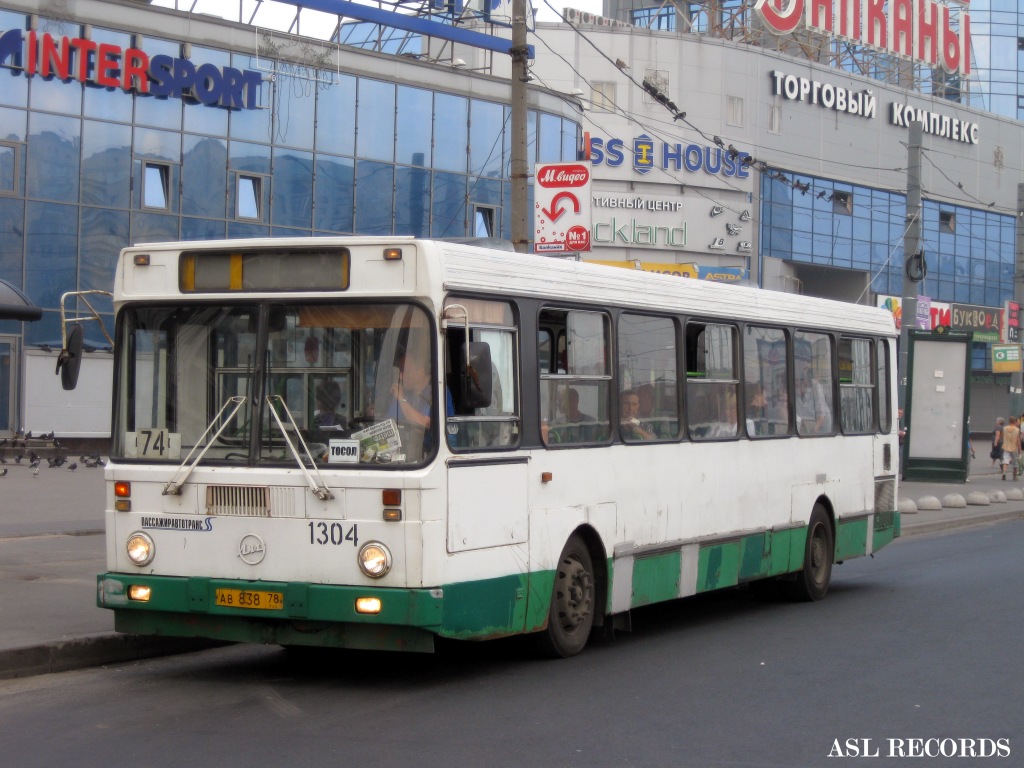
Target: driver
411 393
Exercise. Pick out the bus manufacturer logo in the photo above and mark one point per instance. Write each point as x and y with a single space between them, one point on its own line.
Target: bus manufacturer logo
252 549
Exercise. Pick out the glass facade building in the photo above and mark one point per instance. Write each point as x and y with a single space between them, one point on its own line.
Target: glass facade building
87 170
969 252
997 61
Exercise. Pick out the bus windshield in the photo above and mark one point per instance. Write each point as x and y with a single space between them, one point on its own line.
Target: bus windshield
353 382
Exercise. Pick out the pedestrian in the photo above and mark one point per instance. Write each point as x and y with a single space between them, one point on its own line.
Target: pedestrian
1011 446
996 453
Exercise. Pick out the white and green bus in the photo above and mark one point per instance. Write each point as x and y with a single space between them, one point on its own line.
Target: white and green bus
376 442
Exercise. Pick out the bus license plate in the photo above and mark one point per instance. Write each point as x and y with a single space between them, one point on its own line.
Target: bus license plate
243 598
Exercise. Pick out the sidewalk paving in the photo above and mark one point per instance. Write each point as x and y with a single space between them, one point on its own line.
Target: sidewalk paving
52 547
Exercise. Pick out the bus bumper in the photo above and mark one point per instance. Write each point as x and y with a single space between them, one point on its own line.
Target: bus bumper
293 613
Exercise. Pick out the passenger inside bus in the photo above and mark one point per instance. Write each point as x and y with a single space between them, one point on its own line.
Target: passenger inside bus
646 411
727 425
632 427
573 425
813 415
757 413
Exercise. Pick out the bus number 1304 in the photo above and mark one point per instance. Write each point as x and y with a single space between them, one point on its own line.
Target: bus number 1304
334 533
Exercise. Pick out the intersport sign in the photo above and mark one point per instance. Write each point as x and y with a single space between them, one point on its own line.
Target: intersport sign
130 69
918 30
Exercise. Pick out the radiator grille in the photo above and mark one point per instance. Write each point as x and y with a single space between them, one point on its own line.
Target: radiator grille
237 500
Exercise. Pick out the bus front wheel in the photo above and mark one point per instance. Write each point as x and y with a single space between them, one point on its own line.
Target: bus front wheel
813 580
573 599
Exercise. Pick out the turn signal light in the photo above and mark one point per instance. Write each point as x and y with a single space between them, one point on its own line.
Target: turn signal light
392 254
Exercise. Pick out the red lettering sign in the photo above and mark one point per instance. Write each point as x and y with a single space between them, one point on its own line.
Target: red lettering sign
568 176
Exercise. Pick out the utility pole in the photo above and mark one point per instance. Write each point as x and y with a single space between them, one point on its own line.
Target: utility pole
1017 379
911 246
519 166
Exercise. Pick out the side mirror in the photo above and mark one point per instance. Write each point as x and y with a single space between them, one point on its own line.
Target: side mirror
475 377
69 361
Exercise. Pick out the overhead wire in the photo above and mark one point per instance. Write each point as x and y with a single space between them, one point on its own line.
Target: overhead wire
789 178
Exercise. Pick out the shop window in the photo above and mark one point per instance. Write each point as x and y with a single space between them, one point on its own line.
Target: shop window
483 221
734 110
842 203
663 19
156 185
602 95
8 168
249 197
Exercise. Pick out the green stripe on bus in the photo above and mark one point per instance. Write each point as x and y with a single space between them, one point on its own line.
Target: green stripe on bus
656 578
718 566
852 538
493 607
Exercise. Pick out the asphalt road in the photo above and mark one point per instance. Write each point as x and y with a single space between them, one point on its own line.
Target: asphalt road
920 642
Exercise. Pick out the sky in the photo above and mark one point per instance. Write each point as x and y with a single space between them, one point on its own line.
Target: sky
278 15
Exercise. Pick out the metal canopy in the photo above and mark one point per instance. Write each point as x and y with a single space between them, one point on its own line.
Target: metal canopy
15 305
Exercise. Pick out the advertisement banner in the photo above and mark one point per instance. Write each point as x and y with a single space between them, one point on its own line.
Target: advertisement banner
1011 323
1006 358
715 274
561 213
982 322
939 313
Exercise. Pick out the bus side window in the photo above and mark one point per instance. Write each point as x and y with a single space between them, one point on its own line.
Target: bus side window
766 381
484 411
814 383
712 382
647 376
856 386
574 395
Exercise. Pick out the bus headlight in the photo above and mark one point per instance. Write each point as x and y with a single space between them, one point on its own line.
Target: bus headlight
374 559
141 549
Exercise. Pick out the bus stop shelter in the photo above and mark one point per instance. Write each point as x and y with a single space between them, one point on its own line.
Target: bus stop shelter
15 305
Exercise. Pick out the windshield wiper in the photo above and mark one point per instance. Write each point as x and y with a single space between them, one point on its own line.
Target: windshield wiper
319 488
173 487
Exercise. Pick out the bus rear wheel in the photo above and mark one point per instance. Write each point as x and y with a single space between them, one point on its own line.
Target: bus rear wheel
573 601
813 580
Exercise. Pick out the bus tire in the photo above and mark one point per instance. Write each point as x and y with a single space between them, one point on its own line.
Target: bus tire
813 579
573 602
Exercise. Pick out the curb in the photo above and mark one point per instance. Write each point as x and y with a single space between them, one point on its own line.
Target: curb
93 651
962 522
